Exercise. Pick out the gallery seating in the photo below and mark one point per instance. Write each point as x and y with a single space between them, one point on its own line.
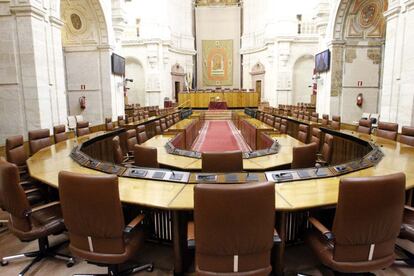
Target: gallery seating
303 133
283 127
100 236
364 229
387 130
158 130
316 136
222 162
336 122
364 126
60 134
146 157
29 223
39 139
277 123
304 156
407 135
141 134
325 120
325 157
163 124
131 139
243 228
314 117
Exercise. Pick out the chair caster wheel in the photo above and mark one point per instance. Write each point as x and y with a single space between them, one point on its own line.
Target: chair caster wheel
151 268
70 263
4 263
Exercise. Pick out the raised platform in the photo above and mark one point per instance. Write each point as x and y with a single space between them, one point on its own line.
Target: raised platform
217 115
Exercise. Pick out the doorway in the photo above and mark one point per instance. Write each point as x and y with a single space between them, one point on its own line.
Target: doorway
177 89
259 89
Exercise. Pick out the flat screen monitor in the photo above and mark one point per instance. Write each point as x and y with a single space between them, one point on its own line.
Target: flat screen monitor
118 65
322 61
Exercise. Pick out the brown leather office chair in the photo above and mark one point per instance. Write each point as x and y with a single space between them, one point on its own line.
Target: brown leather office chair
235 235
336 122
316 136
407 135
109 126
303 133
146 157
82 128
325 157
277 123
96 225
118 154
141 134
314 117
39 139
163 125
366 224
284 126
325 120
364 126
131 139
146 114
306 116
29 223
222 162
121 121
270 120
60 134
16 154
387 130
304 156
158 130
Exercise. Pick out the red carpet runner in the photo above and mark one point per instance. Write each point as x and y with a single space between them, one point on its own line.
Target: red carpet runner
219 136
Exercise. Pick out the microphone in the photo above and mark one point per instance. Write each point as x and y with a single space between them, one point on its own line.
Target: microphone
318 166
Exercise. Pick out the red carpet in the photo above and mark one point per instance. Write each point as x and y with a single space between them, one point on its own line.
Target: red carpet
219 136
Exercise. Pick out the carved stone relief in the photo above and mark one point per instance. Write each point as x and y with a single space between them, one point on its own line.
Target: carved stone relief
350 55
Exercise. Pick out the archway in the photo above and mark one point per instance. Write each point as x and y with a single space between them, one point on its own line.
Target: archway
258 78
302 79
178 80
358 36
135 71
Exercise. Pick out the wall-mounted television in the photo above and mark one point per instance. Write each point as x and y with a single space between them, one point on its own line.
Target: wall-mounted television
118 65
323 61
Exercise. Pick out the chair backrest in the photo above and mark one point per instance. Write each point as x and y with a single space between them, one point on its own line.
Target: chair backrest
387 130
163 124
325 119
283 126
316 136
117 152
336 122
374 119
82 128
407 135
121 121
146 157
141 134
95 223
131 136
364 126
327 148
71 122
15 152
368 217
60 134
304 156
39 139
277 123
243 226
13 198
222 162
109 126
365 116
303 133
158 130
314 117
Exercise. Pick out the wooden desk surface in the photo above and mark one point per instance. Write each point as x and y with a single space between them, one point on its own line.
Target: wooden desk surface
181 125
258 124
290 196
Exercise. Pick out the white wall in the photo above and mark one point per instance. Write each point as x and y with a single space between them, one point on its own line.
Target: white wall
136 92
302 79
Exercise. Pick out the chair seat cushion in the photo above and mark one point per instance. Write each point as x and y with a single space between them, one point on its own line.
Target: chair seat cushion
324 251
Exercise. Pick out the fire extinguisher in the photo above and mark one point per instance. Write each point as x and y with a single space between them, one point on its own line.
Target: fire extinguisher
360 99
82 102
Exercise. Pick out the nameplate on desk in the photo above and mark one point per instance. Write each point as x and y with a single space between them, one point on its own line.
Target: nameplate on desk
206 177
283 176
252 177
231 178
138 172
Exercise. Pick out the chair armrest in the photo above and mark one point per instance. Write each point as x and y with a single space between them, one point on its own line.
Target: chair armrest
408 208
322 229
28 191
25 182
42 207
134 223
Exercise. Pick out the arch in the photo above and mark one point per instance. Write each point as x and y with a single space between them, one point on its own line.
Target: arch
302 79
258 69
135 70
85 23
177 69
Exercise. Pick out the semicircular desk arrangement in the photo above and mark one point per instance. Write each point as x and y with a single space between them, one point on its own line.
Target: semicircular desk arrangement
170 189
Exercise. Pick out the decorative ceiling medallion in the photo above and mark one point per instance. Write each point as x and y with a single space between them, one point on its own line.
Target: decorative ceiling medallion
369 15
76 21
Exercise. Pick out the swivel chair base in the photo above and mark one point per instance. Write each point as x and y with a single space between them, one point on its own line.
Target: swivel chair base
44 251
113 270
